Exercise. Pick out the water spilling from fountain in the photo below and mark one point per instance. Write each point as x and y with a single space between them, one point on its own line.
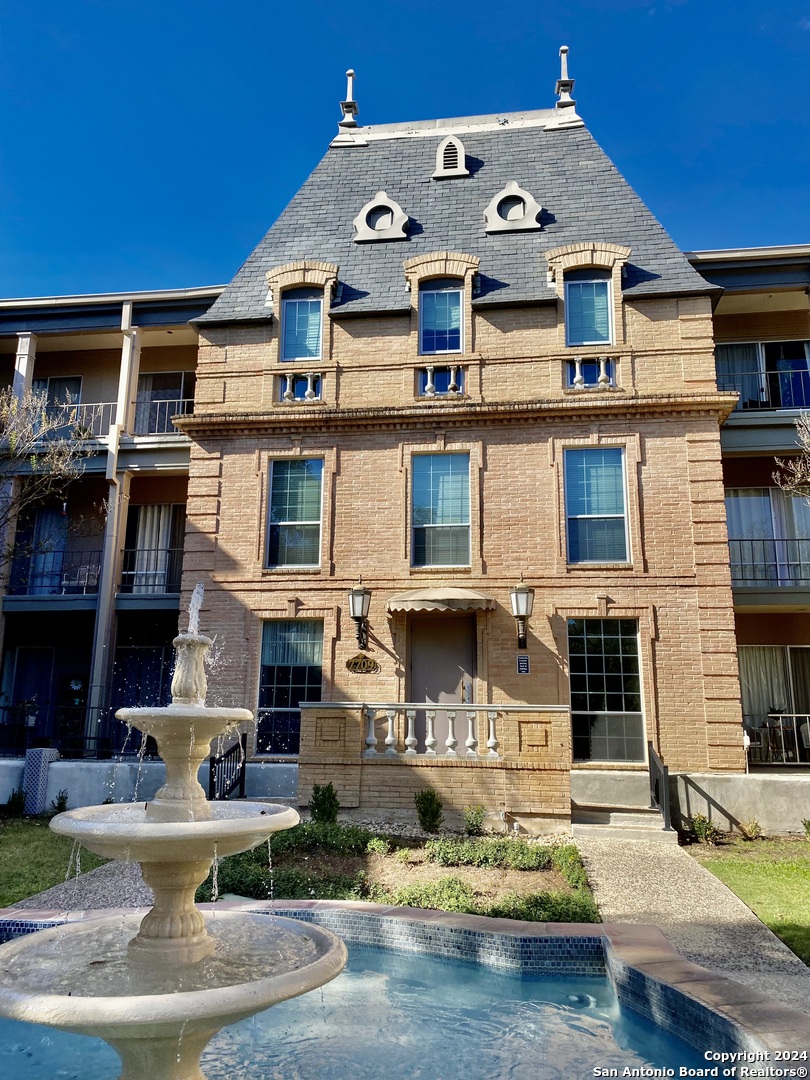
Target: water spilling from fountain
158 987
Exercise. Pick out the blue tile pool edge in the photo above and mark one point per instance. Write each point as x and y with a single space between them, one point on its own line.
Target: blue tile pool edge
707 1010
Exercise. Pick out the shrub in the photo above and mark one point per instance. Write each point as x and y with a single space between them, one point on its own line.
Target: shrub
324 804
806 824
474 820
704 831
447 894
60 803
15 807
378 845
750 830
340 838
429 810
515 854
546 907
403 854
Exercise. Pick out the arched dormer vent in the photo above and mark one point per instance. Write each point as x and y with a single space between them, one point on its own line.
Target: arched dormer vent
512 210
450 159
380 219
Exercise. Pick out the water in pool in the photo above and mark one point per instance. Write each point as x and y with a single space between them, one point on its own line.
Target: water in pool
392 1016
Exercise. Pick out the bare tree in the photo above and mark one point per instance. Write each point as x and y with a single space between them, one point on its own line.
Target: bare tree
793 476
42 451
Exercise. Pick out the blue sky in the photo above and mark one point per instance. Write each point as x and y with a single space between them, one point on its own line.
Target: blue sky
150 145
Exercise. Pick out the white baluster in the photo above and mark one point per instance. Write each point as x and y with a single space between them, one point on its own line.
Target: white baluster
430 737
604 378
452 741
579 378
430 388
410 738
371 738
310 391
289 393
391 737
492 742
472 739
453 384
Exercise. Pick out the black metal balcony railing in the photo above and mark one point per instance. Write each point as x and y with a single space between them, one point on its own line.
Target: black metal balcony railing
778 739
74 730
770 563
768 389
55 573
152 571
155 417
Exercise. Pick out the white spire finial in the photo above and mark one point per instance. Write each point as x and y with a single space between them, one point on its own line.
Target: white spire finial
350 85
349 106
564 84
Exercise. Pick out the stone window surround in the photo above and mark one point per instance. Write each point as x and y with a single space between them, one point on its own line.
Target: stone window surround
305 273
364 233
586 255
633 451
442 264
493 222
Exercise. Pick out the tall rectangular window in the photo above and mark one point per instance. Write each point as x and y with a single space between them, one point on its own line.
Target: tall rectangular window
594 505
301 324
440 318
441 509
587 307
294 532
606 717
291 672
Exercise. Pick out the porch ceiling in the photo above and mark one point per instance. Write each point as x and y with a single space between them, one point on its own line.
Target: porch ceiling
441 598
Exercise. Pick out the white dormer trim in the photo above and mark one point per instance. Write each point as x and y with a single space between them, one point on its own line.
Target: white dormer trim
518 219
367 224
450 159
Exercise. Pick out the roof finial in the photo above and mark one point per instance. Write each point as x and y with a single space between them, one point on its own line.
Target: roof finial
564 84
349 106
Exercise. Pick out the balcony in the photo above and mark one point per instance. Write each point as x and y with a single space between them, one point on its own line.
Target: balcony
766 374
55 573
435 380
155 417
151 571
770 563
88 421
299 386
781 739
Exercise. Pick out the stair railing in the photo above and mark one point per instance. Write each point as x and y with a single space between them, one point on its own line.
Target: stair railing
227 771
659 785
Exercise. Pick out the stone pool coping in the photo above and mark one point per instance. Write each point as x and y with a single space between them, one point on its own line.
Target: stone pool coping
711 1012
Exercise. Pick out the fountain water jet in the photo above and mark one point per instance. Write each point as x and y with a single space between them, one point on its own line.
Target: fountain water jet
158 988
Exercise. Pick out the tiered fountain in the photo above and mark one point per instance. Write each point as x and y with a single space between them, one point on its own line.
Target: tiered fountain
158 988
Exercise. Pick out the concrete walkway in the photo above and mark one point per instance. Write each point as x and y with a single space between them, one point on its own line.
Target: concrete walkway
648 882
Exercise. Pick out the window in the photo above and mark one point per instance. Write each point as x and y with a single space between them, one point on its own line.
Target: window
291 672
441 510
59 390
162 395
439 381
440 316
768 537
587 307
301 318
153 549
775 684
295 387
594 505
766 375
295 513
607 723
591 371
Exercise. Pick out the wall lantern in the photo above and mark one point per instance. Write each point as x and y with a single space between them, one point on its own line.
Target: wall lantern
521 597
359 603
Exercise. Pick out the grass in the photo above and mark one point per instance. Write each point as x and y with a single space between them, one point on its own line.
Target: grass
33 858
772 877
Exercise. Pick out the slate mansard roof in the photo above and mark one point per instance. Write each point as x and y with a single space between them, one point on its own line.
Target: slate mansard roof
584 198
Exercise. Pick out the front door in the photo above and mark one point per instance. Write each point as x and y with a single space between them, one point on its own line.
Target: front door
442 670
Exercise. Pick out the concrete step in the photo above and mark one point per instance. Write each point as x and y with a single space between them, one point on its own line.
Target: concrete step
624 832
620 823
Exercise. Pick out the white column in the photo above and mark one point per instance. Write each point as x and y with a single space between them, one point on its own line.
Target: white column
579 378
410 738
604 378
430 388
310 391
492 742
472 740
24 364
451 741
430 737
289 392
391 737
128 372
371 738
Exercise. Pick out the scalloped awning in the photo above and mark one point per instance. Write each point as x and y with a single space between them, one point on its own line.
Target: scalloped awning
441 598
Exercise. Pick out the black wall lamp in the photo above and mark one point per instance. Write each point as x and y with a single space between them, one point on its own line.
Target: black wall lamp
521 597
359 603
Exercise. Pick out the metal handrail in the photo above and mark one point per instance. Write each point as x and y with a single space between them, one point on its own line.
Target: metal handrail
155 417
151 570
659 786
769 561
226 772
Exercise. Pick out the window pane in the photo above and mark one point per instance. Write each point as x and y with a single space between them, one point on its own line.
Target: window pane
594 498
440 319
594 540
441 509
294 532
291 672
302 329
587 312
444 546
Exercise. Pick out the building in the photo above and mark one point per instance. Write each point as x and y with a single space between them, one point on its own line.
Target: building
455 486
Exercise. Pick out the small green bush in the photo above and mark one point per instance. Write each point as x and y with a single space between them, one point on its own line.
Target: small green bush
378 845
337 837
546 907
15 807
324 804
403 854
704 830
447 894
429 810
750 830
512 854
474 820
806 824
60 803
567 861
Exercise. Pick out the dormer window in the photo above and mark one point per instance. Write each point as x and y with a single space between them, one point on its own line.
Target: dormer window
450 159
301 324
587 307
440 308
380 219
513 209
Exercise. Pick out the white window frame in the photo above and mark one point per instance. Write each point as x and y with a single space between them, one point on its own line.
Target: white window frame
425 288
627 560
455 525
606 281
292 566
286 300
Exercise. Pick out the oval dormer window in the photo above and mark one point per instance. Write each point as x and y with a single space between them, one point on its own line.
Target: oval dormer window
512 208
379 218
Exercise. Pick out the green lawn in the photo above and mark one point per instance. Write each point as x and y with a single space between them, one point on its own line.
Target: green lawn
33 858
773 878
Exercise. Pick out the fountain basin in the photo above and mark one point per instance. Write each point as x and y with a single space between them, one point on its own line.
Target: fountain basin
201 722
126 832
